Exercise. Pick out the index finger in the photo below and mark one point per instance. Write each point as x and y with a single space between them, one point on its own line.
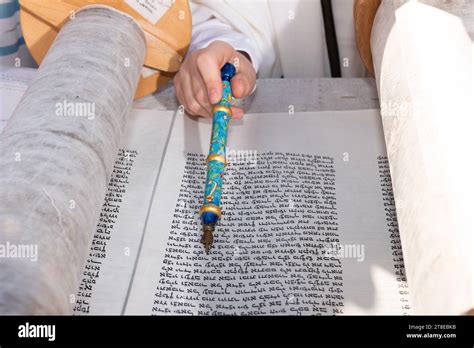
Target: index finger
209 64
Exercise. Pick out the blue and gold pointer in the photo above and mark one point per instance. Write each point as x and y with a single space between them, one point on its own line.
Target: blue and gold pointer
216 160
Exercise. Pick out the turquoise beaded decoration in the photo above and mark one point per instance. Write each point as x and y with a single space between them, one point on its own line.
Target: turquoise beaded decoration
216 161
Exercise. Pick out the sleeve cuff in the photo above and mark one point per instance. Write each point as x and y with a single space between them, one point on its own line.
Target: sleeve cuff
211 30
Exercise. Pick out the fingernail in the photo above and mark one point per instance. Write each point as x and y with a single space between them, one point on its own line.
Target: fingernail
213 98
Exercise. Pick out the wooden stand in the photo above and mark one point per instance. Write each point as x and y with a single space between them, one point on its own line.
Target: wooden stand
364 14
167 40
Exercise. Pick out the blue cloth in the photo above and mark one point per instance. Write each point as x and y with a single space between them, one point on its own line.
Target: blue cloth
8 9
13 51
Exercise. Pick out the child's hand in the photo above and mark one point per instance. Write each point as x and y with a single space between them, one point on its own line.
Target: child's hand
198 83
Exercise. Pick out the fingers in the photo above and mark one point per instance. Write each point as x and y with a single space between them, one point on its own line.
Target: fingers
242 85
244 81
198 83
200 95
209 64
185 92
237 112
193 106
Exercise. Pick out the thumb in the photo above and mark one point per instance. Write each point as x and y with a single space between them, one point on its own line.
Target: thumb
242 85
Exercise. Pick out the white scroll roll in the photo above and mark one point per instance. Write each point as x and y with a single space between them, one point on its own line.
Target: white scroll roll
423 65
56 155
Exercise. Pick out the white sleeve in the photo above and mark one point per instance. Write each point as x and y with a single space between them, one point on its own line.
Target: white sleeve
206 32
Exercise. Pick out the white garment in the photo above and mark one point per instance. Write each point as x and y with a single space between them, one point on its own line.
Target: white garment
282 37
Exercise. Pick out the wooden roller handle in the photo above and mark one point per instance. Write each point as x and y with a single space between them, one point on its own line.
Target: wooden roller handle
364 14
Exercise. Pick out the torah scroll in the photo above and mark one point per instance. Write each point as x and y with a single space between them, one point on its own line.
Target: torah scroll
423 66
56 155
